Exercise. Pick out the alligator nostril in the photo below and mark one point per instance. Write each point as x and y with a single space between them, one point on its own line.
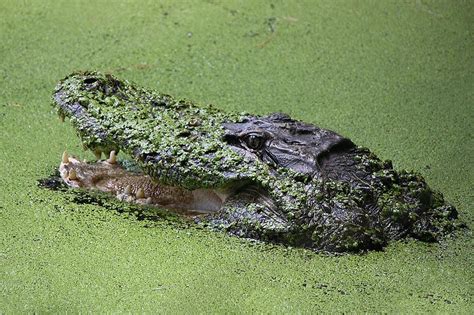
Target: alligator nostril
90 80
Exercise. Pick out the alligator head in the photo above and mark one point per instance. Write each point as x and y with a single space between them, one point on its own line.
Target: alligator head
269 178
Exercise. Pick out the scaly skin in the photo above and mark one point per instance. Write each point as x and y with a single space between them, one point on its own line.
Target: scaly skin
282 180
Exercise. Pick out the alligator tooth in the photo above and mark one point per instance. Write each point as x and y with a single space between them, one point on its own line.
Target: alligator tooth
97 154
112 158
65 157
128 190
140 193
84 161
148 200
72 174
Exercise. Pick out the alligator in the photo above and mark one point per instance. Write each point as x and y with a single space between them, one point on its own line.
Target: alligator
269 178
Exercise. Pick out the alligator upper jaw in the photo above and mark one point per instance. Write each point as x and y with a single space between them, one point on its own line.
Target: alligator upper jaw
111 177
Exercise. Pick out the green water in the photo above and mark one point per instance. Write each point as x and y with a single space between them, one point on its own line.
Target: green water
396 76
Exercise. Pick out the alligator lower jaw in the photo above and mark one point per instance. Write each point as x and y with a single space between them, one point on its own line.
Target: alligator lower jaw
111 177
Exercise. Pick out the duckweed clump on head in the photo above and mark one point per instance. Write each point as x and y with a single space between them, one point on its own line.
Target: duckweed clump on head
119 115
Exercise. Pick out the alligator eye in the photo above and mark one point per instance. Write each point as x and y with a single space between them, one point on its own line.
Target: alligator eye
254 142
